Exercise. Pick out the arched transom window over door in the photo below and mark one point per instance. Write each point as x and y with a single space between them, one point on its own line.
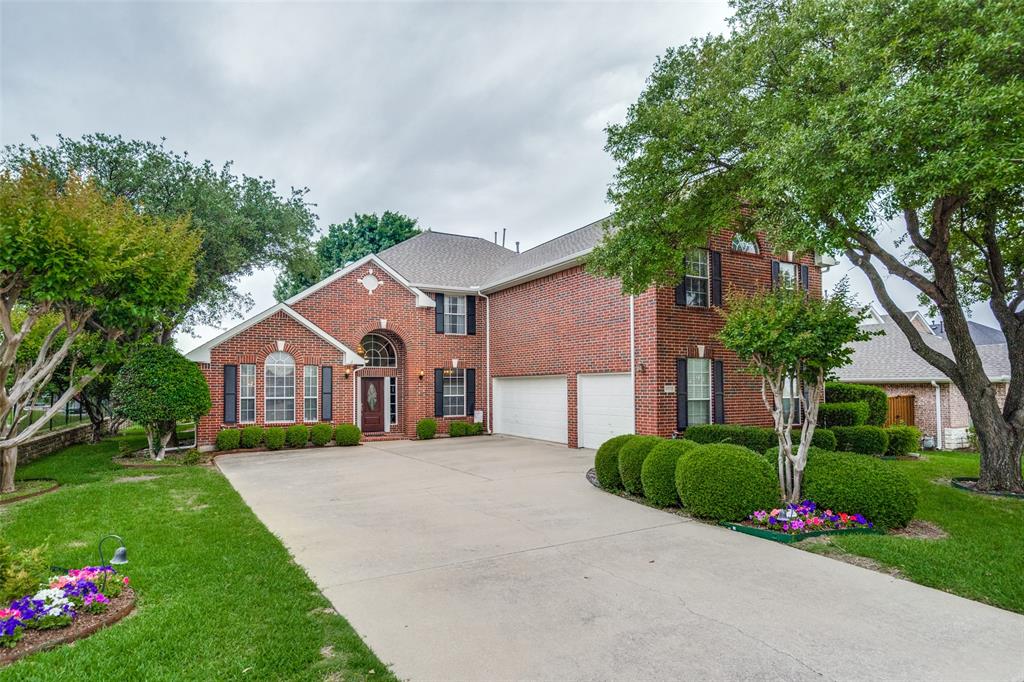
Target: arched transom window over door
279 386
378 351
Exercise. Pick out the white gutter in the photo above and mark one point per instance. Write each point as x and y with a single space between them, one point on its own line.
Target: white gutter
938 415
632 355
487 354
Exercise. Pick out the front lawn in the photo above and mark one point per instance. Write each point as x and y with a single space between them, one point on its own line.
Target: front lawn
983 557
218 595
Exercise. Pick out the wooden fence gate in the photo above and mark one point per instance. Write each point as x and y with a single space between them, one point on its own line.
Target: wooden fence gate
901 410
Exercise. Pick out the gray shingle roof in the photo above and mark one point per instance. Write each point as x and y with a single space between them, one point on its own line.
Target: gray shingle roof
981 334
439 259
889 359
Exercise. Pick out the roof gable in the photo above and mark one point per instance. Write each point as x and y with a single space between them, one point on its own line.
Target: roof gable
202 353
422 299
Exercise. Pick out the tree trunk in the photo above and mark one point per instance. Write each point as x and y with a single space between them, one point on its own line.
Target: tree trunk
9 462
1000 451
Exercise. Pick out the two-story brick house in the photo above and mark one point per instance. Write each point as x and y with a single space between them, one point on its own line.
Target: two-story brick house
457 328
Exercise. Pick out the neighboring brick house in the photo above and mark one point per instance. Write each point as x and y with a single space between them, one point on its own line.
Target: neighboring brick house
933 403
459 328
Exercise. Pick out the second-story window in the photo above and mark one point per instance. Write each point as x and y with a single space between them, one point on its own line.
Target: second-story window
789 274
696 280
454 314
744 244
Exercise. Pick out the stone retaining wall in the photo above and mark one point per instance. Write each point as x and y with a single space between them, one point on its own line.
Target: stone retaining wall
53 441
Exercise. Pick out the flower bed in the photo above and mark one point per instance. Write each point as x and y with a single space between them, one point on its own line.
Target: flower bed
67 607
796 522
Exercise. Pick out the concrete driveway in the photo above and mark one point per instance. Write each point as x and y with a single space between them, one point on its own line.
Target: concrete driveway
494 559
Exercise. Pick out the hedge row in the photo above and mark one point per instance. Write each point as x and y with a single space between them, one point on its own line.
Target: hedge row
295 436
756 438
843 414
876 399
867 440
459 429
903 440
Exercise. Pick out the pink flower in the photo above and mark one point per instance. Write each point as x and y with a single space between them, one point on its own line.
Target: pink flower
9 613
125 580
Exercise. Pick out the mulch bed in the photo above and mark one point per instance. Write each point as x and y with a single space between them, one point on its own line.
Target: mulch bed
26 496
971 486
84 625
920 530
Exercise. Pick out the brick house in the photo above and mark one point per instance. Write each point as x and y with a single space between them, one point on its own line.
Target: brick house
461 329
926 397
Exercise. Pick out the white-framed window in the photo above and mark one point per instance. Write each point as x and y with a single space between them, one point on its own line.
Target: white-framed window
698 391
454 393
394 399
310 385
789 275
279 388
454 314
696 280
378 351
744 244
790 393
247 394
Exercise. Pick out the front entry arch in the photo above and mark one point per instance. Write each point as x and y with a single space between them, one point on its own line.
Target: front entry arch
381 382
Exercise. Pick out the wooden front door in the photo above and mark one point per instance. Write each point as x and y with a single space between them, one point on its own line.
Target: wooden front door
372 403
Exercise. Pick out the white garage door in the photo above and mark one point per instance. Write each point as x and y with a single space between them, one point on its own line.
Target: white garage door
605 403
532 407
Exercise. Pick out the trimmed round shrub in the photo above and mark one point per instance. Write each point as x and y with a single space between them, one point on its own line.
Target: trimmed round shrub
858 484
631 461
876 398
426 428
606 461
843 414
321 434
823 438
903 440
297 435
725 482
347 434
458 429
228 439
252 436
274 438
757 438
658 472
867 440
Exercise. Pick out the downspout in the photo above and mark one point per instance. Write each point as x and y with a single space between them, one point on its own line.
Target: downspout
632 354
938 415
487 354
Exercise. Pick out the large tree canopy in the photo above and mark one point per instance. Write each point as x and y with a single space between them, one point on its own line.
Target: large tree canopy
75 267
815 120
244 222
358 236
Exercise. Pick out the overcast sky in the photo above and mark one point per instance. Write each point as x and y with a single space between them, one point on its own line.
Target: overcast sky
471 117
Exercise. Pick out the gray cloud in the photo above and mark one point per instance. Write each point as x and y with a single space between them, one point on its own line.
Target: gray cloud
471 117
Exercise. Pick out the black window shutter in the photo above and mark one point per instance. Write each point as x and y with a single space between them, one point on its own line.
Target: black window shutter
471 315
681 293
439 313
718 376
470 391
716 279
438 392
230 394
805 278
775 273
682 418
326 392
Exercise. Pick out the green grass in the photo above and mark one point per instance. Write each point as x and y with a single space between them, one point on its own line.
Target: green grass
983 557
26 488
219 596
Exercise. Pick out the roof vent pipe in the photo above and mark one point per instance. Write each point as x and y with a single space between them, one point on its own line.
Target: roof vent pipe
495 236
503 237
517 247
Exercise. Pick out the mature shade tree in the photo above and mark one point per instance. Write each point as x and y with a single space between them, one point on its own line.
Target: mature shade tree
74 264
358 236
792 341
244 222
817 120
156 388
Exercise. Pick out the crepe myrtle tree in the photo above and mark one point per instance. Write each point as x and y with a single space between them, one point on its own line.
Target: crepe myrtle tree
156 388
819 121
792 341
74 265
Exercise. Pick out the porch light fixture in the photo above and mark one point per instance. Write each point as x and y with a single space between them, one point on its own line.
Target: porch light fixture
421 375
348 371
455 363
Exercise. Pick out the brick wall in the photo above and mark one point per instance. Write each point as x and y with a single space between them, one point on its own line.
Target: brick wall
51 442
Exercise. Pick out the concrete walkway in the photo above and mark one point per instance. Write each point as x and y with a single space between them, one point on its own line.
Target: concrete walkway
494 559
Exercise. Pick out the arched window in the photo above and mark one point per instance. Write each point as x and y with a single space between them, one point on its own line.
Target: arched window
744 244
378 351
279 388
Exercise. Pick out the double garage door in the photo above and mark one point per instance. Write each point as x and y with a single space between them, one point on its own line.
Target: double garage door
538 407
